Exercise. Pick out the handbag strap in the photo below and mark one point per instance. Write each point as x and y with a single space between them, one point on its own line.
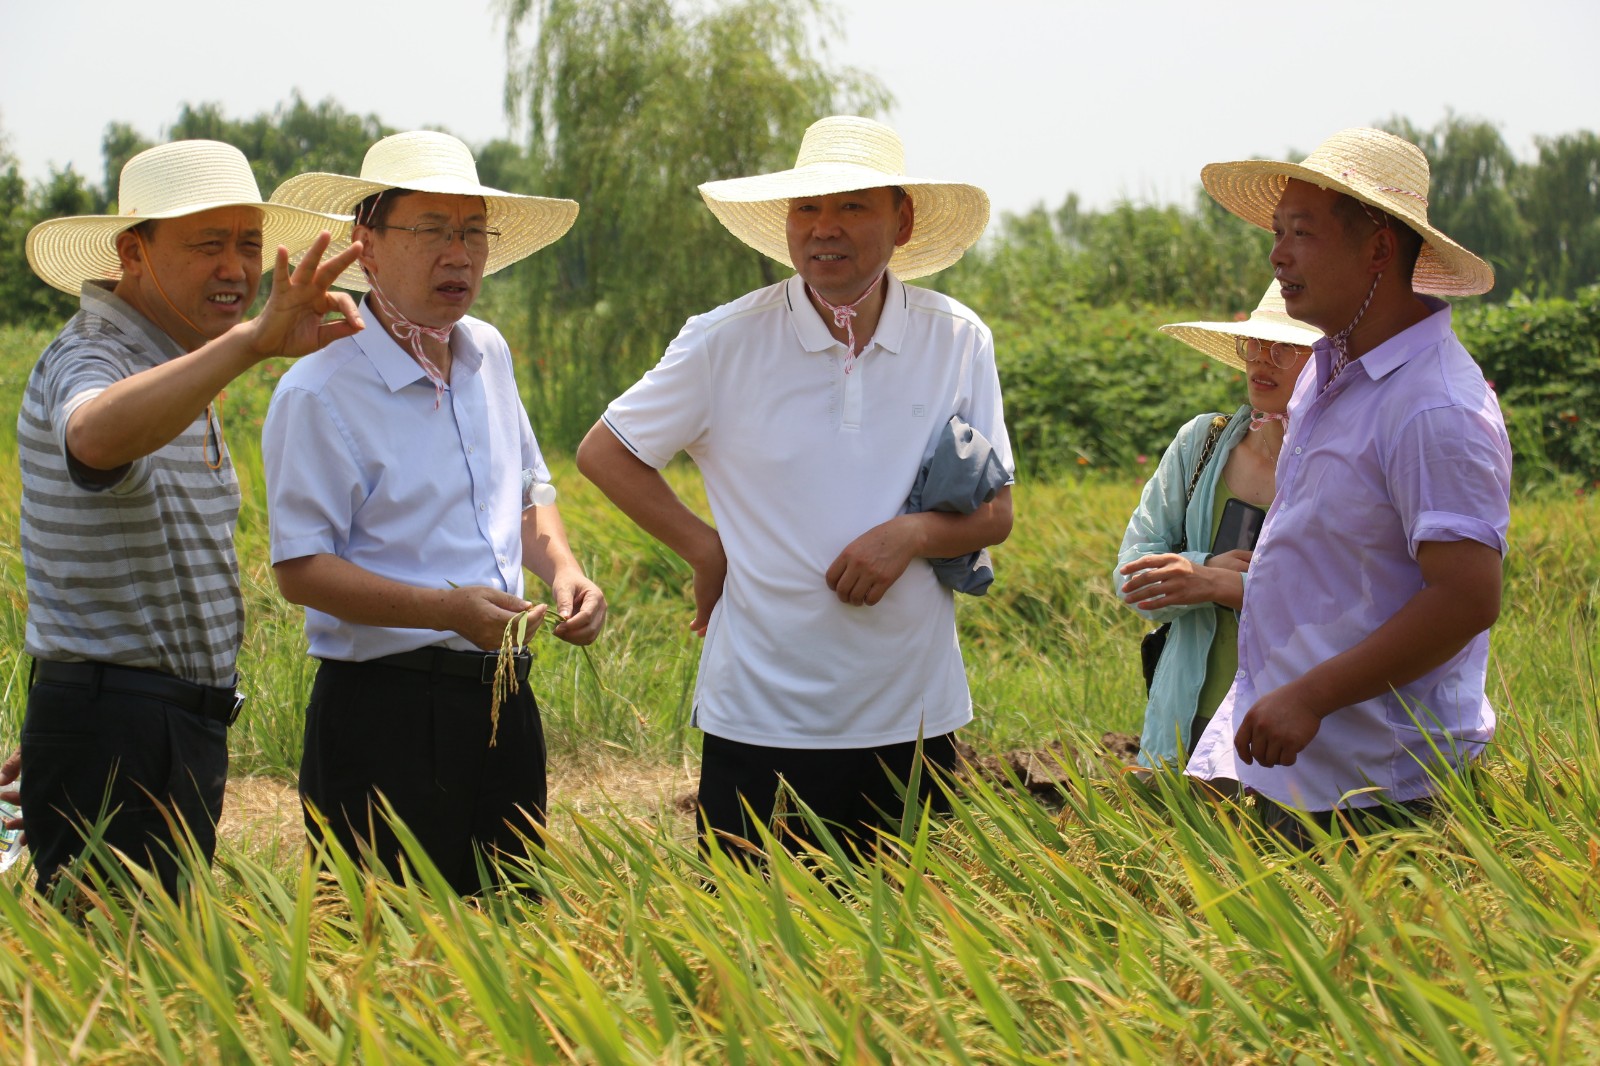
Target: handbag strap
1218 424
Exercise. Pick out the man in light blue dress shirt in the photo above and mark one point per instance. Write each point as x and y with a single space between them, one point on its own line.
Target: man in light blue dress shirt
407 494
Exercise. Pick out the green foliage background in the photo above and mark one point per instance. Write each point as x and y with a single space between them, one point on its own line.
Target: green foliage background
627 105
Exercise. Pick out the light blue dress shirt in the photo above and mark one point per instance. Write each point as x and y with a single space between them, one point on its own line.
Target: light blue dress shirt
361 464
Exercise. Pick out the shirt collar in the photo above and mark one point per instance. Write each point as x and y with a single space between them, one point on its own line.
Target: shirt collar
398 367
97 298
1395 352
812 329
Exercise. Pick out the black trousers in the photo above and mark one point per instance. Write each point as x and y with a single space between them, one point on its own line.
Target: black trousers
1289 825
853 790
422 741
90 754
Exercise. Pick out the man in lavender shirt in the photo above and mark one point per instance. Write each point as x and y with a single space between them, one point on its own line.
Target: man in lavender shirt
1363 642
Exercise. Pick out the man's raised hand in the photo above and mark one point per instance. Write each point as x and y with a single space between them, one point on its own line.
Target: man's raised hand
291 324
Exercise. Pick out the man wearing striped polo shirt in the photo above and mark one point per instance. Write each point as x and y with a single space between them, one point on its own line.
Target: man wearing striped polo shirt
129 498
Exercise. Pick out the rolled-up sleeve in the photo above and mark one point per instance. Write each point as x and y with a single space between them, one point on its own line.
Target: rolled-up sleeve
1449 478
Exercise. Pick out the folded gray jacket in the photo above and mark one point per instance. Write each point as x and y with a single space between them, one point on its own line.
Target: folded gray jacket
962 475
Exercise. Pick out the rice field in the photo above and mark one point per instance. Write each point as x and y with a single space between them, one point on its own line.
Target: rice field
1110 921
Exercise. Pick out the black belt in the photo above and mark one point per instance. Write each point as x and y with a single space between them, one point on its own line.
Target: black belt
218 704
477 665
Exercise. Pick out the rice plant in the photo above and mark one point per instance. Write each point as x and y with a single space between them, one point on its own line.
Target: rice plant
1114 920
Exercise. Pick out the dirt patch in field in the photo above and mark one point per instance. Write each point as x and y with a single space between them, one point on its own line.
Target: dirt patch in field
264 812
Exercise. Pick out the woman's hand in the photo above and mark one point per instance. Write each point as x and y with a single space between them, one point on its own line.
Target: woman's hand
1171 580
1237 560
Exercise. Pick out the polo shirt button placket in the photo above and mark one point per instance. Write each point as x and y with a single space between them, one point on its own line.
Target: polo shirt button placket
852 394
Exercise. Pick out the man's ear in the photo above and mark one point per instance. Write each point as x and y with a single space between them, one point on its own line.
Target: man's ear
908 221
364 234
130 253
1385 247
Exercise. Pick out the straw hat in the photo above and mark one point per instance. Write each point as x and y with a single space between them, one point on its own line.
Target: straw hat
842 154
1269 322
1376 168
425 161
167 181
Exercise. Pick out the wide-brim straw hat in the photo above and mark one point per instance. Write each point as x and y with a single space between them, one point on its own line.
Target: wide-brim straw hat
845 153
426 161
1269 322
167 181
1375 167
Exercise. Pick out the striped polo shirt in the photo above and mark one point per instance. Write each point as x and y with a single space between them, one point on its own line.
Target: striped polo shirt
141 572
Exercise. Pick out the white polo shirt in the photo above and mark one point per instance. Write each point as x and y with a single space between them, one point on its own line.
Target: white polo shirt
360 464
799 459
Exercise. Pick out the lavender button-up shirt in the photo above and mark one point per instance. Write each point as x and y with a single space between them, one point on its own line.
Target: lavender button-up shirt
1406 446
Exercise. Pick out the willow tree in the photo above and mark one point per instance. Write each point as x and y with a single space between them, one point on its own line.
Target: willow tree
1561 201
627 106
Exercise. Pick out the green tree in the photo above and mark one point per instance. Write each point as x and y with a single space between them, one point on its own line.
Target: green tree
16 280
1560 198
23 297
629 105
294 138
120 143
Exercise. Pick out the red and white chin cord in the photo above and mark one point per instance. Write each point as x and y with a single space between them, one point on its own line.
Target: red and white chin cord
410 334
844 315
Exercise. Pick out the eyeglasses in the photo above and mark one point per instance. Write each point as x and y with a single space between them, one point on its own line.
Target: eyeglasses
436 237
1279 353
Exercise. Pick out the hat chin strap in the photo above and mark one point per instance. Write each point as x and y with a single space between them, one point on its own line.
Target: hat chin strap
844 316
213 422
411 333
402 328
1341 340
150 268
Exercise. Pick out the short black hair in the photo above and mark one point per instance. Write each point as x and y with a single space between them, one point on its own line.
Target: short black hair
374 211
145 229
1356 215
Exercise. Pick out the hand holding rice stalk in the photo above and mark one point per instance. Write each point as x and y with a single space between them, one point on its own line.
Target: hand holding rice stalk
505 667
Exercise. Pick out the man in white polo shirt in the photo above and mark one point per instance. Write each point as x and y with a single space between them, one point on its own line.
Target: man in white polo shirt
809 407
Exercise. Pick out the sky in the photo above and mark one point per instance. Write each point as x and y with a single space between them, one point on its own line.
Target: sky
1029 99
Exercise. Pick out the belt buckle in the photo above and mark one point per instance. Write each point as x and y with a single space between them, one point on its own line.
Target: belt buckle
521 664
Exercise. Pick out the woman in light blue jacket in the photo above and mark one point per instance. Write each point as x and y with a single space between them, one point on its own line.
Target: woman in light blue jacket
1165 570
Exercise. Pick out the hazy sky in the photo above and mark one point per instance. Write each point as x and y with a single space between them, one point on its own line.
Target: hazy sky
1026 98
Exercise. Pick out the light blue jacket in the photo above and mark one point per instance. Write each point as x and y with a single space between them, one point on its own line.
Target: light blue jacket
1157 525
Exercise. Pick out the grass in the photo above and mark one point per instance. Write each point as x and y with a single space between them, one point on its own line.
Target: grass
1119 923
